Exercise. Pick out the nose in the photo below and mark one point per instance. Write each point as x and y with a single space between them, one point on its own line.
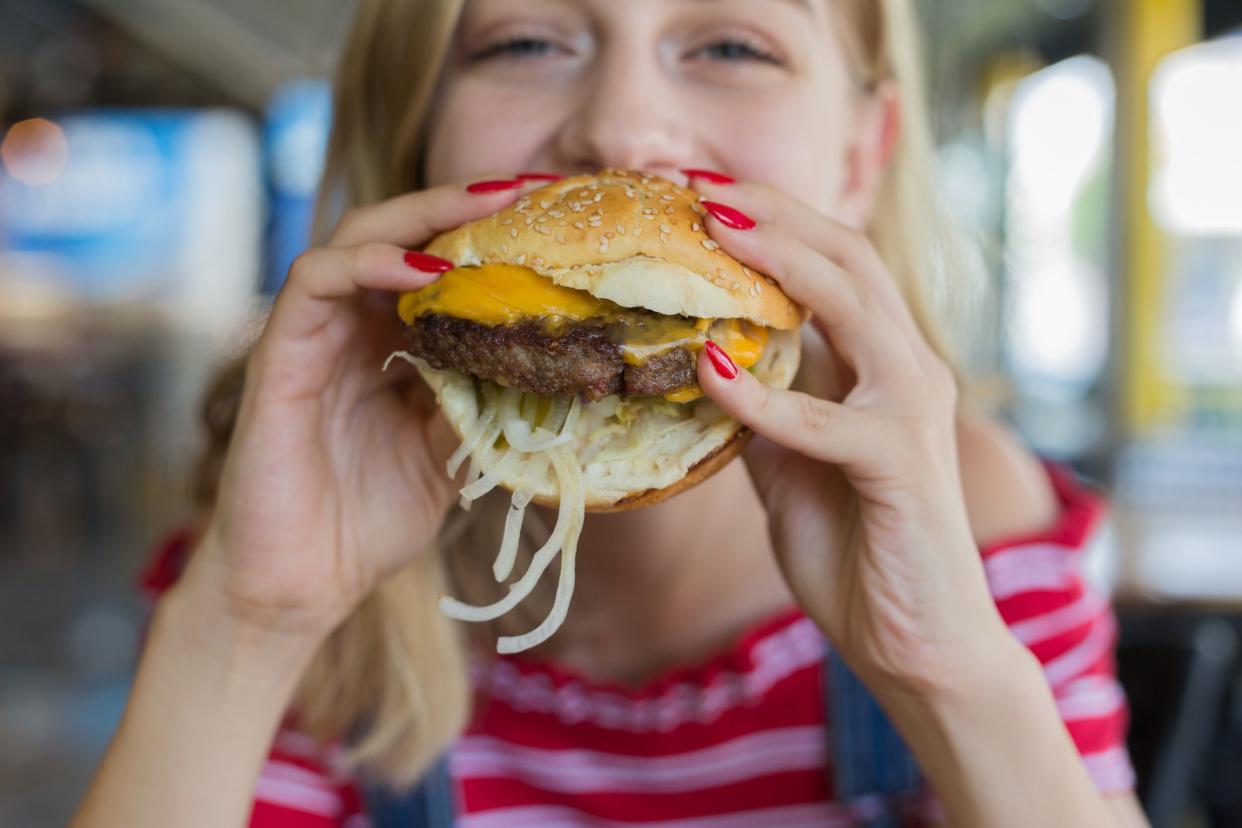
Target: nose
628 116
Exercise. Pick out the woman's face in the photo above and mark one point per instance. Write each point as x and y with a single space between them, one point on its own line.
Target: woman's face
758 89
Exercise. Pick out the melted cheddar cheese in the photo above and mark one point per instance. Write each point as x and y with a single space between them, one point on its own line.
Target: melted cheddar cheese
507 294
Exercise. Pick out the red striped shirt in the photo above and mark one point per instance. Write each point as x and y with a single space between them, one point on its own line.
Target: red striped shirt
738 741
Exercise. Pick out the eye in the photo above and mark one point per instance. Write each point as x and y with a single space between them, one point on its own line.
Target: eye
734 50
518 48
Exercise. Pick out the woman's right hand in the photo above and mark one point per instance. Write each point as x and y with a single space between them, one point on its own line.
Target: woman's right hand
335 473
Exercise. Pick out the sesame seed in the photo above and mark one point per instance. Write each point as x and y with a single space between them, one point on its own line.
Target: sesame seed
584 194
505 222
603 246
513 233
530 220
610 235
560 237
579 225
539 261
521 259
668 211
664 228
664 238
543 205
556 214
649 210
696 227
649 218
710 245
504 248
697 208
543 229
621 229
598 198
667 197
733 287
542 219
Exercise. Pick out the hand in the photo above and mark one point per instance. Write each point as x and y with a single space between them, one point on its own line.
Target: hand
335 473
860 477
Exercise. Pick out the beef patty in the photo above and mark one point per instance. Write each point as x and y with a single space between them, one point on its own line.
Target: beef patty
581 359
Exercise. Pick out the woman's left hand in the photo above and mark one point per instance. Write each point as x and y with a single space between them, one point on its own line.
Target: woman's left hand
859 470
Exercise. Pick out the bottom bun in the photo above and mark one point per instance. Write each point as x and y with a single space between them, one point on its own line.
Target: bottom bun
633 453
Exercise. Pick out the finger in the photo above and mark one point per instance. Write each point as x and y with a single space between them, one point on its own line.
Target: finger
413 219
322 277
856 326
847 248
819 429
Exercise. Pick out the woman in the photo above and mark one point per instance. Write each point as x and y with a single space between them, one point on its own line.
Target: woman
857 517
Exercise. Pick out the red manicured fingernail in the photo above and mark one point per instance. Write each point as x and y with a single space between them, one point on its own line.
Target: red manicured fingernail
729 216
538 176
721 361
480 187
428 263
708 176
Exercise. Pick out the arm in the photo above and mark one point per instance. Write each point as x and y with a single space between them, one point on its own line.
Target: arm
325 450
206 701
863 489
993 746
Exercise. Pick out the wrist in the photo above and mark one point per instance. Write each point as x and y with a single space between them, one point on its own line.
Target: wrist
245 653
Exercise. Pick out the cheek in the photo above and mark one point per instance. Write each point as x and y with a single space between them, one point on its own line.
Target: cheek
792 140
480 129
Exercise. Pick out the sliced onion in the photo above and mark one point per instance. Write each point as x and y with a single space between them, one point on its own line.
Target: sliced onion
538 565
401 355
571 418
555 418
492 479
472 474
569 475
505 559
484 434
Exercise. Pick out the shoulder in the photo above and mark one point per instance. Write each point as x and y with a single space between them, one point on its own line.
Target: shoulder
1007 489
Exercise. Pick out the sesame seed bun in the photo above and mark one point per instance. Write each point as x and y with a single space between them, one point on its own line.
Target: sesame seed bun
626 237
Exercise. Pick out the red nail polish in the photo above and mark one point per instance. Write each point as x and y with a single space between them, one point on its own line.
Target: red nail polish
721 361
538 176
481 187
708 176
729 216
428 263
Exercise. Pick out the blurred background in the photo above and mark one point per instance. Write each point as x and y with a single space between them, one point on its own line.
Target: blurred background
159 162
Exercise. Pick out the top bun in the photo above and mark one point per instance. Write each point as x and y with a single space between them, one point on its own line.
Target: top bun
629 238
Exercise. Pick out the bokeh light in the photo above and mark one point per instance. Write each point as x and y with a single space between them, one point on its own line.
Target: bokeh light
35 152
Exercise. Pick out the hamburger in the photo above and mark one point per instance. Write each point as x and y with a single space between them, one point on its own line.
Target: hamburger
562 350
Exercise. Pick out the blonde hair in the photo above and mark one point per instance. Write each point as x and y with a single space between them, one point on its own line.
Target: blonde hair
392 681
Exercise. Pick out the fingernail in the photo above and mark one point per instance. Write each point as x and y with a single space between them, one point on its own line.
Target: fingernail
480 187
721 361
729 216
428 263
708 176
538 176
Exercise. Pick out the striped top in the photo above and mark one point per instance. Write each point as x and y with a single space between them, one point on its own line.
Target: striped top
740 740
